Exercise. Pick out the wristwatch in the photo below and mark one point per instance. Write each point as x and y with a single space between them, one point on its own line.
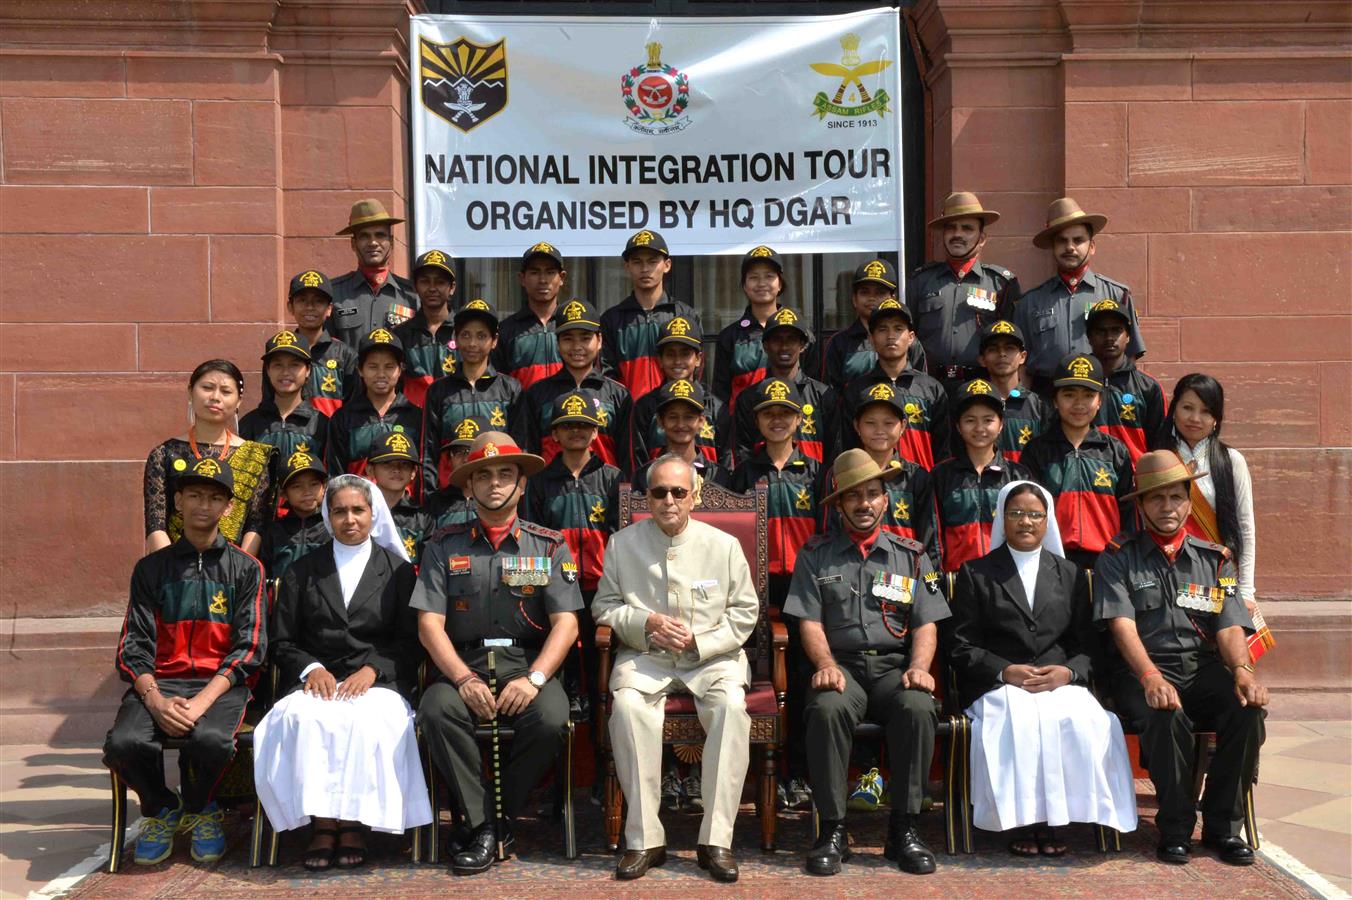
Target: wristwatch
537 679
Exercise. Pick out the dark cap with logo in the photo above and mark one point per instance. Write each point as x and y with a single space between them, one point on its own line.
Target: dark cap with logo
301 460
575 408
1078 370
1002 328
865 395
466 430
784 317
434 259
890 307
207 470
393 446
679 330
1107 307
645 240
311 280
681 391
762 254
978 390
287 342
876 271
380 339
577 315
542 248
776 392
477 309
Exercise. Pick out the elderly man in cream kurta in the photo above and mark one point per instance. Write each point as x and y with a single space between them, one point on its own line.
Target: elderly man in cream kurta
681 600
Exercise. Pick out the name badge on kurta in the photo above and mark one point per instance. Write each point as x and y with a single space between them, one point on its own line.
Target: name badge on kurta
1200 598
896 588
519 571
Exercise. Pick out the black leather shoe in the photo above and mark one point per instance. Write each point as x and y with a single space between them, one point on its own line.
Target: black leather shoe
1174 851
832 849
905 848
718 861
461 835
636 863
481 850
1232 849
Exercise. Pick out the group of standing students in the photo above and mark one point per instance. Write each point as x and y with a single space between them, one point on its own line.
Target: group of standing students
1012 472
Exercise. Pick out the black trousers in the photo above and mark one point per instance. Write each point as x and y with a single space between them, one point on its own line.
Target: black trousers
134 747
909 718
448 727
1207 692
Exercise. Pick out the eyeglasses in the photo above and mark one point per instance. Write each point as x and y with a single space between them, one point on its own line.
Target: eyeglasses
660 493
1031 515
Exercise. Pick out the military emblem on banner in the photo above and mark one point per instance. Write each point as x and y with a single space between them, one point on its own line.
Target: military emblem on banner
851 72
463 82
656 95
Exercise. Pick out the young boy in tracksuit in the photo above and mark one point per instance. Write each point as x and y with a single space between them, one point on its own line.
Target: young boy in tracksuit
1087 471
1003 352
193 638
428 338
1133 408
300 528
393 465
680 359
380 408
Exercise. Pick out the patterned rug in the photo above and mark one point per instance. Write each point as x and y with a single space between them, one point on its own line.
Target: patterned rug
540 870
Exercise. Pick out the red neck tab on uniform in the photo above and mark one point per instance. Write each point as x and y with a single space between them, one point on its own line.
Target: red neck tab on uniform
1075 276
375 276
496 535
962 267
864 540
1169 545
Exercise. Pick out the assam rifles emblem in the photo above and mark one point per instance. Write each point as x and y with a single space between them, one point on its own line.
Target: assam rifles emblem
656 95
851 72
463 82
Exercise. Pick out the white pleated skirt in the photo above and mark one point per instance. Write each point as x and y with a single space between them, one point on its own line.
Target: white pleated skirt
1055 757
355 760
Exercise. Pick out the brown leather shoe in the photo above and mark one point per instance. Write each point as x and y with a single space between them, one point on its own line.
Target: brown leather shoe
718 860
636 863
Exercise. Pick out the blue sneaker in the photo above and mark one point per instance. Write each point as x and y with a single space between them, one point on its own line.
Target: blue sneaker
208 833
868 793
156 842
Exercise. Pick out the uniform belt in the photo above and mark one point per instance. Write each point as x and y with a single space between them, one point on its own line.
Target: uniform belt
897 652
462 646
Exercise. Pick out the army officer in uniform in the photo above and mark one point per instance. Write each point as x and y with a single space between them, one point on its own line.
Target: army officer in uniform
1168 600
867 602
495 584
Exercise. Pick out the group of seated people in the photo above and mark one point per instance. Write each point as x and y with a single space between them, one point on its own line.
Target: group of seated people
446 493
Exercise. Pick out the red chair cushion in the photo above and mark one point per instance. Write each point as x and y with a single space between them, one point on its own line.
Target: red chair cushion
760 701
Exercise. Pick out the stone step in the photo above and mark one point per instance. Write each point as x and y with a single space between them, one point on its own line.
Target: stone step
60 685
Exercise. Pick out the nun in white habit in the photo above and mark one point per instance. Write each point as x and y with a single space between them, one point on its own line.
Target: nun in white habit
1044 752
339 747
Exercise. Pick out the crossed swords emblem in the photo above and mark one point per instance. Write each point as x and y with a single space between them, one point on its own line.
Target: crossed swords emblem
464 104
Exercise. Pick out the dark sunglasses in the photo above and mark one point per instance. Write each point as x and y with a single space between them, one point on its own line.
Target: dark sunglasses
660 493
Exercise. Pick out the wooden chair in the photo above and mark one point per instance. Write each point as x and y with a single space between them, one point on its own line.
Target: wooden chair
745 516
426 840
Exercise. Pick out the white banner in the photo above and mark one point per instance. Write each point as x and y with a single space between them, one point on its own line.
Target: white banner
721 133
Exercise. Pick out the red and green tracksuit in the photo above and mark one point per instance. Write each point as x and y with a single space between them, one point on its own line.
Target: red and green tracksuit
966 504
910 509
289 538
1133 423
740 360
928 430
816 437
333 375
629 340
648 440
792 500
612 411
1026 416
849 354
427 356
415 526
527 349
195 615
586 509
357 426
1088 484
453 399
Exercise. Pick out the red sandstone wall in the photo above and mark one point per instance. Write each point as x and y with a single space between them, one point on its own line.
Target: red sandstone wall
153 198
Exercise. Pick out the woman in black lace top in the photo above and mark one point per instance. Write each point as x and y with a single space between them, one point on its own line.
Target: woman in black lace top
214 394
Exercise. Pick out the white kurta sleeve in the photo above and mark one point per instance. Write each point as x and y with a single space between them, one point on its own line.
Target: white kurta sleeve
609 606
742 609
1248 532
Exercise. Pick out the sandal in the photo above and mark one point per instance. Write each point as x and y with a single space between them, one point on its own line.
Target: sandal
1047 844
317 859
1026 844
347 856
